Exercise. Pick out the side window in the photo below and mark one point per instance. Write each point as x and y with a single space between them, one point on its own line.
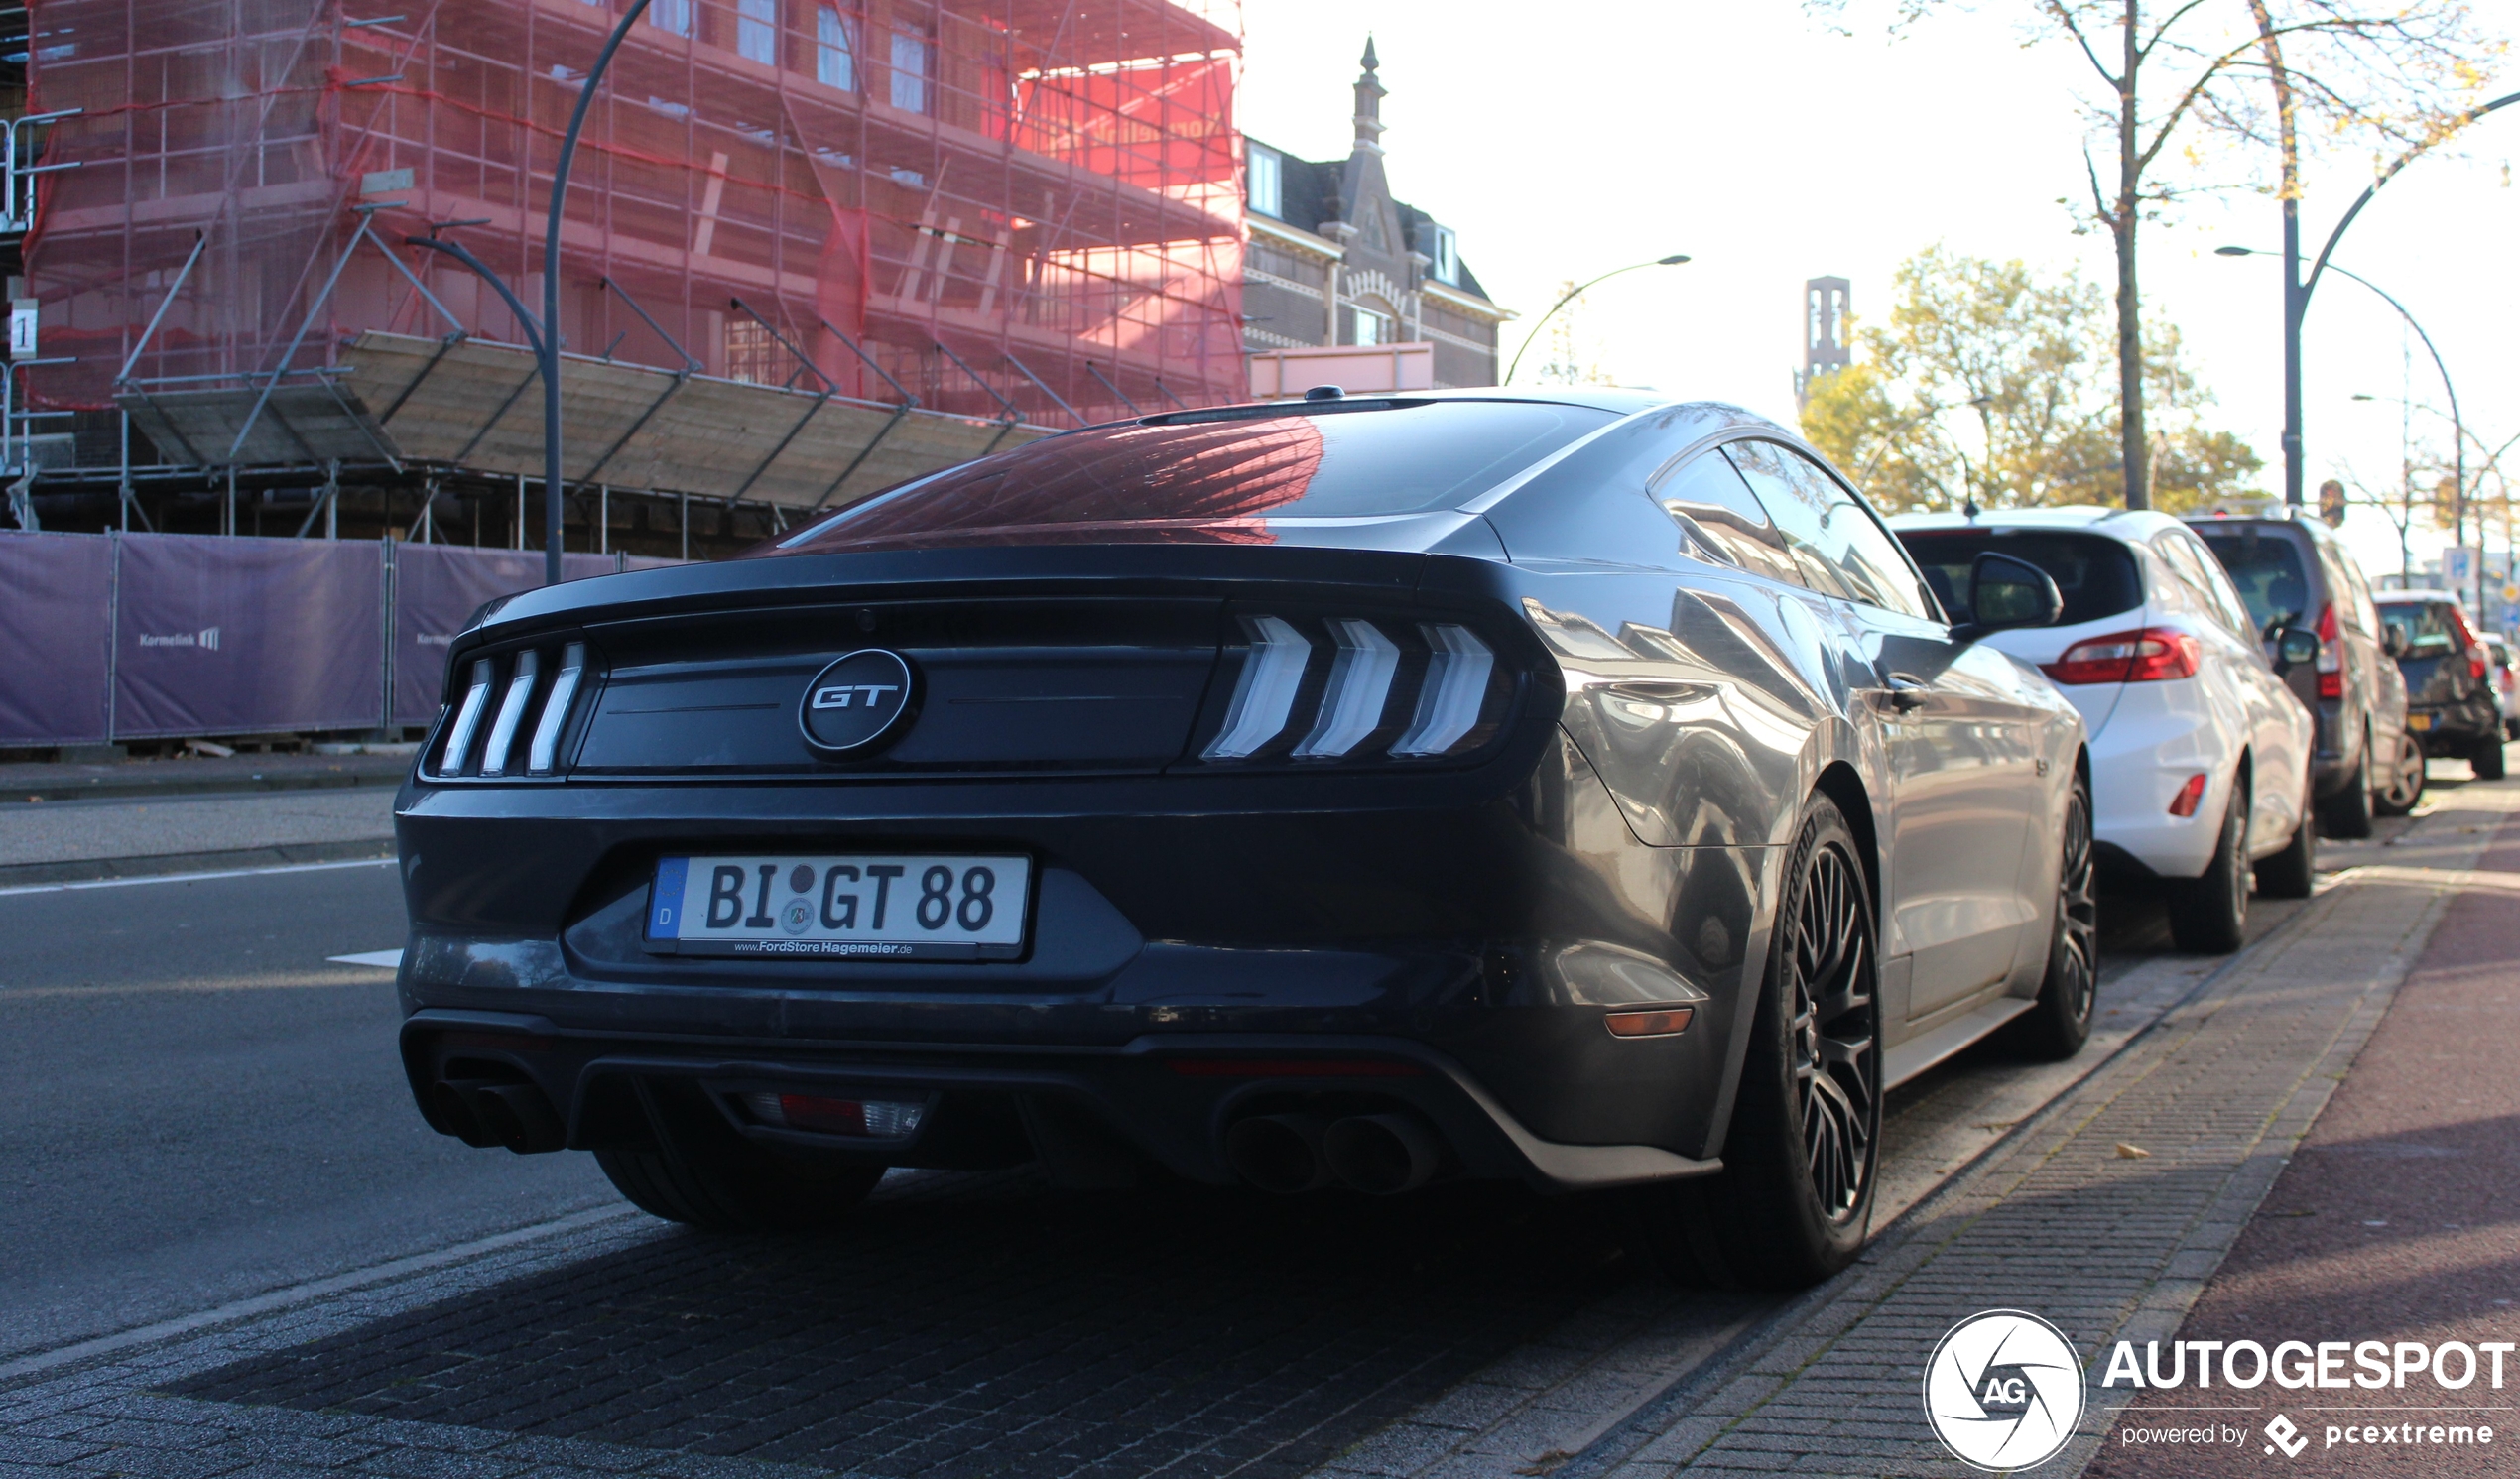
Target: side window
2201 573
1723 521
1830 531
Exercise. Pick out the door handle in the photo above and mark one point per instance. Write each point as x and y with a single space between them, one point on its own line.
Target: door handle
1907 692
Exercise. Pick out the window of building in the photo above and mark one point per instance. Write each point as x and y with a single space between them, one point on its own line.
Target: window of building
1265 184
1448 258
834 51
910 72
757 31
671 15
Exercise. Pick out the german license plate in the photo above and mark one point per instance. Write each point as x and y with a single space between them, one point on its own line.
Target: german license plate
855 905
2419 721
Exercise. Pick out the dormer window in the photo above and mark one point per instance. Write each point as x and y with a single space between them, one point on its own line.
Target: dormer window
1447 267
1265 179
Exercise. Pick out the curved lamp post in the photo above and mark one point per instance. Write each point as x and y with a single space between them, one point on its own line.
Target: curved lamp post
1673 260
2459 424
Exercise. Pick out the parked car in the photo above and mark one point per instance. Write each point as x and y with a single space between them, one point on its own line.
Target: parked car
2296 572
2451 704
2504 669
2199 751
1580 789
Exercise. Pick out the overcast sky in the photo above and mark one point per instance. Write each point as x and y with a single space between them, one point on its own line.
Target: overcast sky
1567 138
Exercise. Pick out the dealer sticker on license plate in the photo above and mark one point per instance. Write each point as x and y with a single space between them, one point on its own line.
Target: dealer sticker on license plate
914 907
2419 721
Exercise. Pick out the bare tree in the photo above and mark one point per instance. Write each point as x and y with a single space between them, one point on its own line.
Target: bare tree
2374 76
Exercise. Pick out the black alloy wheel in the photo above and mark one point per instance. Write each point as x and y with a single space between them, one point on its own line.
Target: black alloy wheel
2058 1023
2209 914
2406 783
2348 814
1794 1202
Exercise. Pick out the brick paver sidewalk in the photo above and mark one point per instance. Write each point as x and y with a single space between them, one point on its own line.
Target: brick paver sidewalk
2397 1221
2060 1223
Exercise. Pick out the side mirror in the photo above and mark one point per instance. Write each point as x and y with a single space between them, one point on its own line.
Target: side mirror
2294 647
2393 641
2006 592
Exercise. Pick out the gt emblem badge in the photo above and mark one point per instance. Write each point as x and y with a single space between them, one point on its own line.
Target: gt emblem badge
857 703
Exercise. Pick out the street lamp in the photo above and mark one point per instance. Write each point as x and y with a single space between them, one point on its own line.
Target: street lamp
2297 289
1673 260
2459 424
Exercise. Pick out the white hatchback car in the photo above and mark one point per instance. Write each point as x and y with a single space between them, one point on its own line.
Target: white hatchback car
2200 752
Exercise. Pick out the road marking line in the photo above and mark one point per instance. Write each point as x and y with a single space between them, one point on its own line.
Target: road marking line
314 1288
116 883
381 959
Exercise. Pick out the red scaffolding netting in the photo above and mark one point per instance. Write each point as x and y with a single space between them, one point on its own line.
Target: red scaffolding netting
1043 190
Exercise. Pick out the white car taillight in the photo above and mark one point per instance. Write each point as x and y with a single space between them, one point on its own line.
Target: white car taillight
1264 696
1361 683
1455 692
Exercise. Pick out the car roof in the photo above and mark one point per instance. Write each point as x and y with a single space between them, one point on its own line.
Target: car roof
2418 594
2309 528
2131 526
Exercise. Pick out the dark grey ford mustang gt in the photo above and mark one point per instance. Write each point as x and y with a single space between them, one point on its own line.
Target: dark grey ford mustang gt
1574 789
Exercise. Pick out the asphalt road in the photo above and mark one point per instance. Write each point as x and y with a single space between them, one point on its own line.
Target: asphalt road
197 1107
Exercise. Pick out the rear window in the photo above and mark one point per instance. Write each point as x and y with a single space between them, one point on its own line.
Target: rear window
2268 571
2095 574
2427 623
1406 457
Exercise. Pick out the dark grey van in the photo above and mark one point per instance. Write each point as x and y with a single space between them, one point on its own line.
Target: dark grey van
2296 572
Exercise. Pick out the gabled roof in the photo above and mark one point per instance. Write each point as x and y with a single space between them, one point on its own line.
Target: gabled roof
1308 200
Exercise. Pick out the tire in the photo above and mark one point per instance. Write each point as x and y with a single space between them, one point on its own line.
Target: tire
2486 758
2348 814
2058 1023
2209 914
1793 1204
2294 872
711 1178
2399 797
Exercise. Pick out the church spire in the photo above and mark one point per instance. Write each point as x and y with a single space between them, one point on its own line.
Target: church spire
1369 96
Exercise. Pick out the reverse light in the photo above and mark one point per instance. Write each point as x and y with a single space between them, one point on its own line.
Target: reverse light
2332 674
2153 655
873 1118
2189 793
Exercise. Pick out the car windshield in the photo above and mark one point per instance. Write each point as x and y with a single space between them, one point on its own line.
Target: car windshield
2095 574
1223 475
2267 569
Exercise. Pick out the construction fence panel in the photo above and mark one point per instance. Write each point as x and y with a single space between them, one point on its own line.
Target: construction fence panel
57 638
245 636
148 636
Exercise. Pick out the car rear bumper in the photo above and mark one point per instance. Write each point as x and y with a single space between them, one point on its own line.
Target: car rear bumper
2455 728
2157 738
1087 1115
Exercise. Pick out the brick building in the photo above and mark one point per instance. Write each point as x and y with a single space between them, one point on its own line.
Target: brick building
1336 262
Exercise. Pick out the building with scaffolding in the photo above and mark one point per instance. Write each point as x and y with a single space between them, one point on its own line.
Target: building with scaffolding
811 248
1344 285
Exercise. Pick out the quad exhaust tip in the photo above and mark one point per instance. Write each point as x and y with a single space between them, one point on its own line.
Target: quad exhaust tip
1382 1155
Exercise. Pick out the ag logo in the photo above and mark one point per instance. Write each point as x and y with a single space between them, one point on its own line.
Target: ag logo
2003 1391
856 702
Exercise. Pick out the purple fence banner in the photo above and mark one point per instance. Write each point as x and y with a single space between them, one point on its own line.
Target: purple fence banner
57 638
247 636
436 588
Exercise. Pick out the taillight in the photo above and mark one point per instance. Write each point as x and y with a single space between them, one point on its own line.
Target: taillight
534 691
873 1118
2331 667
2185 802
2152 654
1357 689
2475 664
